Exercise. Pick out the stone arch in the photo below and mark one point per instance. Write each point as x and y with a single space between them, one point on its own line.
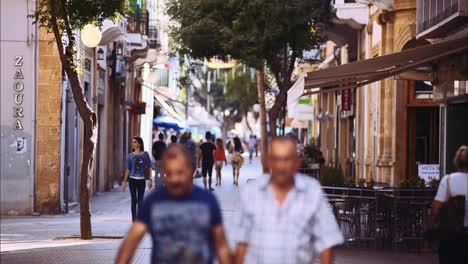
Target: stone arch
405 35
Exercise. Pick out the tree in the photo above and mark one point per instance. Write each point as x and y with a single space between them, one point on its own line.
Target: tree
62 18
257 33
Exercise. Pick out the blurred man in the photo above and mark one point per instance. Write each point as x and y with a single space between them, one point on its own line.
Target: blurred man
183 220
158 149
285 217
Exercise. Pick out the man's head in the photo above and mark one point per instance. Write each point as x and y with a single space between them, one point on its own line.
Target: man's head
161 136
283 160
178 169
173 139
208 135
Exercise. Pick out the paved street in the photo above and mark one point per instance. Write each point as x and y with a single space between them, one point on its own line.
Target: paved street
39 239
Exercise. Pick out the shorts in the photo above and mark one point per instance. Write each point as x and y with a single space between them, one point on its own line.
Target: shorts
219 164
251 151
207 168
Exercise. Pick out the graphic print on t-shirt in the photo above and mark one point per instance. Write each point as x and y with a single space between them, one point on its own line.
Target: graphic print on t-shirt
182 232
139 162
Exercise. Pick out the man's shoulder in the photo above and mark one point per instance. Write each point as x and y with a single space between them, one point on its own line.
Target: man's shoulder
309 183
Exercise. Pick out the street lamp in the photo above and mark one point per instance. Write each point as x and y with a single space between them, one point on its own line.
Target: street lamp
100 53
91 36
119 49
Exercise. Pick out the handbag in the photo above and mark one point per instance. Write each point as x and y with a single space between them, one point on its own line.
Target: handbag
448 224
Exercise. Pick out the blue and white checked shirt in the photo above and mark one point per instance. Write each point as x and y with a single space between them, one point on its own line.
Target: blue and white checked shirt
292 233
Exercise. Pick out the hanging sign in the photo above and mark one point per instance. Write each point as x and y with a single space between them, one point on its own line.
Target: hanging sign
428 172
346 100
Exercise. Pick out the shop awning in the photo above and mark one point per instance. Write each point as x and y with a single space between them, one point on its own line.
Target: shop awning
363 72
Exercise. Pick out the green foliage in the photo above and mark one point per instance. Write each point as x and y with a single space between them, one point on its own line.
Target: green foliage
412 182
249 31
78 13
241 87
330 176
434 184
312 154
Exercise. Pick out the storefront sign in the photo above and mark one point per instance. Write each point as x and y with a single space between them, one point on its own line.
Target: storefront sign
18 96
346 100
428 172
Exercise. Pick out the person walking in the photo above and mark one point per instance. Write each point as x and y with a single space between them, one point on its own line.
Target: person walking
285 217
237 160
453 190
157 150
251 147
256 146
138 170
184 221
173 140
191 147
220 158
206 158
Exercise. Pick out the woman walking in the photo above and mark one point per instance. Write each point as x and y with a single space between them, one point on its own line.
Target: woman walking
220 158
453 193
138 171
237 160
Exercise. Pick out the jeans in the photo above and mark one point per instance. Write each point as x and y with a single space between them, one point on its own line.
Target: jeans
137 191
158 171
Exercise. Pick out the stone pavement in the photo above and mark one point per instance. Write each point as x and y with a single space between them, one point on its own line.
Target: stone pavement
34 239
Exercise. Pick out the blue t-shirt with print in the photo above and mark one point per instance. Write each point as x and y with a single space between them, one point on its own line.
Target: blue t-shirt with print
137 163
181 228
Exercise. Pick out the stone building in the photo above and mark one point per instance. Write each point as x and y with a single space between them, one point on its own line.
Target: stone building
30 95
390 72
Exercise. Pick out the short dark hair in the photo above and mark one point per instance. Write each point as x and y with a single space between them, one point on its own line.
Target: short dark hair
174 139
285 139
174 151
161 136
208 135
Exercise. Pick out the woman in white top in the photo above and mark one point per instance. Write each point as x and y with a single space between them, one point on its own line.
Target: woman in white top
454 250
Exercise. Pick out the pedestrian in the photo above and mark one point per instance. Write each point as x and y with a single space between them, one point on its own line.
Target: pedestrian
251 147
220 158
191 147
184 220
173 140
206 158
256 146
285 217
138 170
158 149
453 192
237 160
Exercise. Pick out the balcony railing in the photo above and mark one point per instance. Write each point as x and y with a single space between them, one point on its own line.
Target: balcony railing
138 20
435 17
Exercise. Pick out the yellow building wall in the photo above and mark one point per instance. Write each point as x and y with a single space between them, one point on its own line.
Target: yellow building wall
48 137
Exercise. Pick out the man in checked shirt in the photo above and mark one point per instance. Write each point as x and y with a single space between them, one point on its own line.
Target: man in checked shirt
285 217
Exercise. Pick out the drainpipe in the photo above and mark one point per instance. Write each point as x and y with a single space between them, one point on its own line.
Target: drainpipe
33 143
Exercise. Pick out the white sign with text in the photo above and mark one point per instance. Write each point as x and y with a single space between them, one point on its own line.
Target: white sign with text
428 172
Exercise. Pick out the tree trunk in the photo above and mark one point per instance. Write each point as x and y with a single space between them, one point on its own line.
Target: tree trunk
86 113
263 123
247 122
275 111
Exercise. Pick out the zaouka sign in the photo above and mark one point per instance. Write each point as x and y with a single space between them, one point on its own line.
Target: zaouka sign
18 96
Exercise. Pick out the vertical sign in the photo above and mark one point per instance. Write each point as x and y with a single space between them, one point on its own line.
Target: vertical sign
346 99
18 96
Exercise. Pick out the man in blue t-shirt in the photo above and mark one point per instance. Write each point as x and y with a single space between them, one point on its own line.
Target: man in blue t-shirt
184 220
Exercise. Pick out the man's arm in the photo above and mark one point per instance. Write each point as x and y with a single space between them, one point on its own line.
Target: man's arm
241 250
326 256
199 157
221 245
130 243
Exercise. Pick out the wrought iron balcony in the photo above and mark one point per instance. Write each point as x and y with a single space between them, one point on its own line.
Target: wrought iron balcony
434 18
138 20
